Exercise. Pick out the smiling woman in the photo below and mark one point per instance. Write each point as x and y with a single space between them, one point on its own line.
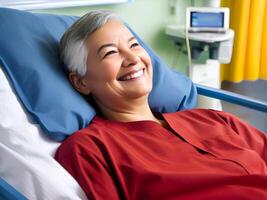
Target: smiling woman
46 4
111 66
129 151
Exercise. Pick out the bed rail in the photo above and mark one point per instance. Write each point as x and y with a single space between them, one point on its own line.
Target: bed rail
231 97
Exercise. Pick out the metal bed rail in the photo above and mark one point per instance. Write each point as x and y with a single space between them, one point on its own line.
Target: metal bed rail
231 97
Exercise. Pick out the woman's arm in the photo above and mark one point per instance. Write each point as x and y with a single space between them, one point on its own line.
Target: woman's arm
255 139
84 162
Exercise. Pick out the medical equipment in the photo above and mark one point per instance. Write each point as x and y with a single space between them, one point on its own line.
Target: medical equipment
207 19
206 29
26 153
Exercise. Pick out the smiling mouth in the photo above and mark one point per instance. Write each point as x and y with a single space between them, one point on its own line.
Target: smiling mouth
132 75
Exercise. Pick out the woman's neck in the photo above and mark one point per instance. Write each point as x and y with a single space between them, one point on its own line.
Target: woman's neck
128 113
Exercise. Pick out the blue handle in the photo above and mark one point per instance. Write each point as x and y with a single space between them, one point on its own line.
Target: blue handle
231 97
7 192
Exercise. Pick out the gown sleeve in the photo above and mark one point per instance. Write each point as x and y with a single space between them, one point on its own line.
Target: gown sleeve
83 160
255 139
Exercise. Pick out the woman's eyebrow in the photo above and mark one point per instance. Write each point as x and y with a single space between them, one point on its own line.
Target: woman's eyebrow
112 44
131 38
104 46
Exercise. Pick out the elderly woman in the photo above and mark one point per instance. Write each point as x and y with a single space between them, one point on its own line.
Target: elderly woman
129 152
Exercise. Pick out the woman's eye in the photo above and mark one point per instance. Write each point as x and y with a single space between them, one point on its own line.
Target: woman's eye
109 53
134 45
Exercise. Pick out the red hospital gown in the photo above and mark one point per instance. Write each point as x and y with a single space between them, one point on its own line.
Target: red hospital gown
207 155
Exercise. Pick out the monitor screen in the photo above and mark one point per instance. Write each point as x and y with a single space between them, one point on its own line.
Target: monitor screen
207 19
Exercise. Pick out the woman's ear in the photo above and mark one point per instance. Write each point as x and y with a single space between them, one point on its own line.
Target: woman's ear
79 83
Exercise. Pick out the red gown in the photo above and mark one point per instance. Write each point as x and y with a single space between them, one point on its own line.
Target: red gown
208 155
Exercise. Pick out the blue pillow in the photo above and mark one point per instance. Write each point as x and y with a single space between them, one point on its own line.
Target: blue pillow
29 55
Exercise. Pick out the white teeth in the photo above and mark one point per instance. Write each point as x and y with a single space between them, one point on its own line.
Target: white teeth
134 75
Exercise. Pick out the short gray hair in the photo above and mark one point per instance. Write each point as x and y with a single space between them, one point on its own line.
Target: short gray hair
73 49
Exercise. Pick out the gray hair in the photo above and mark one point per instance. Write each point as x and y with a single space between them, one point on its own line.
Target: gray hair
73 49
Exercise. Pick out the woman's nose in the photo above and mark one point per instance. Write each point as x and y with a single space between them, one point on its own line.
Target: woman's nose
130 58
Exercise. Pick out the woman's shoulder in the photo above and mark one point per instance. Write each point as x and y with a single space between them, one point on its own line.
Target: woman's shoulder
199 111
200 115
90 136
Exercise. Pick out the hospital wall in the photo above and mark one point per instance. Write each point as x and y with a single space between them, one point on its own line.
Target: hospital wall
149 19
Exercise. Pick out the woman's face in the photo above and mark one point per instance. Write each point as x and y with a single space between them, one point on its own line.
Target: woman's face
118 68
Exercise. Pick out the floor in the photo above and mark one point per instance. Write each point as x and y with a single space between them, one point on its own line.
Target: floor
256 89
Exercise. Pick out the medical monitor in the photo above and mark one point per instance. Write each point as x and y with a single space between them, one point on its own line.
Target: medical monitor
207 19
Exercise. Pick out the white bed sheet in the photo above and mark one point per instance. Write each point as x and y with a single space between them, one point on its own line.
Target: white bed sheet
26 155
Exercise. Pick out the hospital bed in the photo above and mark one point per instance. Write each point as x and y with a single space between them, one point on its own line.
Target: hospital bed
30 83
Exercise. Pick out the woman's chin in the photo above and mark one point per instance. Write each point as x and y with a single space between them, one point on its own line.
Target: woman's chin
138 93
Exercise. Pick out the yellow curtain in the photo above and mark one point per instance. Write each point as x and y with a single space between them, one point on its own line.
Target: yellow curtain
248 18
